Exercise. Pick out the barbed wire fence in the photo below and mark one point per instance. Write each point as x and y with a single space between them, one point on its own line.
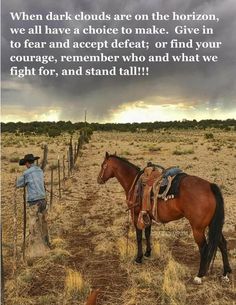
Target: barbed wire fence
59 172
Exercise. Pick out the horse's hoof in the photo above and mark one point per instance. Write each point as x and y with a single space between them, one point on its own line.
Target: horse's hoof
147 254
138 260
225 278
197 280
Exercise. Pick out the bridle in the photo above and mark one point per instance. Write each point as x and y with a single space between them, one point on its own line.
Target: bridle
102 173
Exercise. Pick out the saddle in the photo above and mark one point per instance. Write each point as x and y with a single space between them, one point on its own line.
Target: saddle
155 183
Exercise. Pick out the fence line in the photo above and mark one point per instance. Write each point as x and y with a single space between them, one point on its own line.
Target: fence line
72 156
73 152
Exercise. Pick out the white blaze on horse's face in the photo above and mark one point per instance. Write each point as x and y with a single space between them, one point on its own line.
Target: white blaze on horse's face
106 171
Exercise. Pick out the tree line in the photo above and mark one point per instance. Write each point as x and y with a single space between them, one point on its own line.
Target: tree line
53 129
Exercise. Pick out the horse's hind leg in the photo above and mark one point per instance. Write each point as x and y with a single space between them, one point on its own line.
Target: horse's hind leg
148 240
224 252
200 239
139 236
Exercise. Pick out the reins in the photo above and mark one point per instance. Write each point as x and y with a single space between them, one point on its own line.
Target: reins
132 206
129 208
130 191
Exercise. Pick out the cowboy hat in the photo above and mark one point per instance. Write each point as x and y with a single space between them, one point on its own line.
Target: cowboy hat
28 158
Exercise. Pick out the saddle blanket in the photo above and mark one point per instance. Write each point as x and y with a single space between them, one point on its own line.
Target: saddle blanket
170 172
174 188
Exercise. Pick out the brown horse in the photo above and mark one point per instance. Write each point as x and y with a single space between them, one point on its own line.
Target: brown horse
199 201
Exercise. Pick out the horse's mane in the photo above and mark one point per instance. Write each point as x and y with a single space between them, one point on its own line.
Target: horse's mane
126 161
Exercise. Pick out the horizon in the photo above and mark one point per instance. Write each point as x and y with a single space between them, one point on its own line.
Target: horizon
103 123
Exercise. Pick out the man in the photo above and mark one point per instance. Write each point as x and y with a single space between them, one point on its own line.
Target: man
33 179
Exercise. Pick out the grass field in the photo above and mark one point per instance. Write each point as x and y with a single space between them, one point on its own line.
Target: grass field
87 226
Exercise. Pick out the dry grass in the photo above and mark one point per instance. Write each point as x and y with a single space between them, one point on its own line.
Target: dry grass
58 243
179 151
87 225
14 159
174 290
59 255
127 250
76 288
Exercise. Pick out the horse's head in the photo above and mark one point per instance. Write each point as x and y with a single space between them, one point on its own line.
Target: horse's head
106 171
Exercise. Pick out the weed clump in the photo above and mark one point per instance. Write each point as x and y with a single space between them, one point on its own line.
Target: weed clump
173 288
76 288
208 136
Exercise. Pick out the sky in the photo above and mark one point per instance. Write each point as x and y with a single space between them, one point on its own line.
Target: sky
172 91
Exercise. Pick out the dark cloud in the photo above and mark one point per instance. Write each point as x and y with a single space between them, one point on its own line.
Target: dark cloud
213 84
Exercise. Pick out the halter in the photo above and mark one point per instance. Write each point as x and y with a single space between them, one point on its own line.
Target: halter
103 171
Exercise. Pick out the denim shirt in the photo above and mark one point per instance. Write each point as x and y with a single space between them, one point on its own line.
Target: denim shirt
34 181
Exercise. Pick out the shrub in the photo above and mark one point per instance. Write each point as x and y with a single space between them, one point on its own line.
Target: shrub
54 165
154 148
179 152
14 169
76 288
209 135
14 159
54 132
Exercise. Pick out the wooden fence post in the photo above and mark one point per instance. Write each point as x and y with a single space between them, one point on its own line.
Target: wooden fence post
51 190
78 148
24 220
45 157
15 231
59 177
71 155
75 152
81 141
63 168
2 271
68 162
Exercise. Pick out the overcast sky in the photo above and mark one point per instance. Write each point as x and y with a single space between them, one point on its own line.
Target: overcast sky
171 91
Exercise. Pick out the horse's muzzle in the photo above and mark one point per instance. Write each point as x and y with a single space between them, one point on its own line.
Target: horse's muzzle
100 180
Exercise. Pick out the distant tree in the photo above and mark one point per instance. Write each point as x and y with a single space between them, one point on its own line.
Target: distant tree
54 132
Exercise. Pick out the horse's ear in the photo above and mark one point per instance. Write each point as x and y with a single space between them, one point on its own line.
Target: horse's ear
107 155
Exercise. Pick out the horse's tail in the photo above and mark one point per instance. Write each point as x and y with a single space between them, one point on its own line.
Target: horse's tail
216 225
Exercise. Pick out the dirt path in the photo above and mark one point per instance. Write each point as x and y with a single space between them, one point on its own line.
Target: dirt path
89 219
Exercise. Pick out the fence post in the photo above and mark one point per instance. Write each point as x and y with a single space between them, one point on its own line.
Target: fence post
2 272
59 176
68 162
51 190
45 157
24 220
15 231
71 155
78 148
75 152
63 168
80 141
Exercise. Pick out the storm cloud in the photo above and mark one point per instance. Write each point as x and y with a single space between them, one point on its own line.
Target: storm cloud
200 85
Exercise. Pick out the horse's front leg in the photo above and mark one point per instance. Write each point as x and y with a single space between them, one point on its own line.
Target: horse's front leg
139 235
148 240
